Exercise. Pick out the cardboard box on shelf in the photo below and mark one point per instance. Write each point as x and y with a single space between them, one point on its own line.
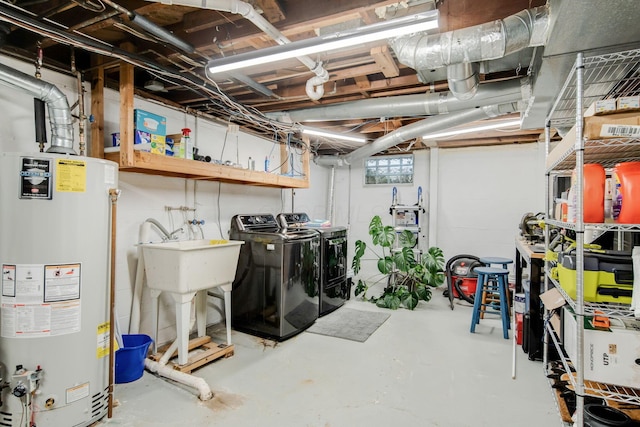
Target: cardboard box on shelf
611 355
604 106
553 299
628 103
157 144
618 125
141 141
149 122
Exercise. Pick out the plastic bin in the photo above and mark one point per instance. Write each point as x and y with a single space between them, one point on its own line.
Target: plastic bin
130 358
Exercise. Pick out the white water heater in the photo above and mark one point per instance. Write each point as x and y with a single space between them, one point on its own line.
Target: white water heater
54 307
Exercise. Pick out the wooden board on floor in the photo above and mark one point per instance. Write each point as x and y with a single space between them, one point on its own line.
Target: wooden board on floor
632 410
562 407
209 351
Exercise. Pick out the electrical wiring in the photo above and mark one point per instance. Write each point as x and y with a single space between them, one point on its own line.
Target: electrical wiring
188 77
93 6
224 142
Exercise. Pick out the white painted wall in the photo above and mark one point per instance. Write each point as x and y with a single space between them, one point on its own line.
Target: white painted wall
482 193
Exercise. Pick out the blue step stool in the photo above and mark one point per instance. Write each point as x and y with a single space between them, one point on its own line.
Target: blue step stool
493 281
489 261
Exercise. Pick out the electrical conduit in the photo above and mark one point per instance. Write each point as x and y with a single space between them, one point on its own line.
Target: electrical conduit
428 104
418 129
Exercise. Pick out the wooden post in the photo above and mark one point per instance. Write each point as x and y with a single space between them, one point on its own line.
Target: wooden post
97 108
113 196
305 158
126 110
284 159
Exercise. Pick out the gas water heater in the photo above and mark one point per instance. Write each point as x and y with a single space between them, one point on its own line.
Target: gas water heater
54 306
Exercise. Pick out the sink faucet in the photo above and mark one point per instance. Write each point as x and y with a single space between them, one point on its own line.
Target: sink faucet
172 235
166 235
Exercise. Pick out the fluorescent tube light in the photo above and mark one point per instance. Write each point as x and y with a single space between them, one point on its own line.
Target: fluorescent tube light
333 135
379 31
496 125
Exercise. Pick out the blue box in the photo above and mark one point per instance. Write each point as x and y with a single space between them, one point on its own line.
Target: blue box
148 122
139 137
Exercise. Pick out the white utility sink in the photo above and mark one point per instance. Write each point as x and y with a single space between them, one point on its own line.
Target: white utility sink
190 265
186 269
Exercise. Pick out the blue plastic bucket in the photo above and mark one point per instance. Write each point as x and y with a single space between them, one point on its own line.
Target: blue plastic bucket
130 358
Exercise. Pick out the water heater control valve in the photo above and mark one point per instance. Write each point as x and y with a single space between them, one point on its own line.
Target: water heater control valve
19 390
26 381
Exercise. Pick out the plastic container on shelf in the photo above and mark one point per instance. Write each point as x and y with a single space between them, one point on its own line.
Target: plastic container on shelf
593 194
186 146
626 207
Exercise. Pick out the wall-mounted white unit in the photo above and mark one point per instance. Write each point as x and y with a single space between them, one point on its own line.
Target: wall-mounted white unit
54 304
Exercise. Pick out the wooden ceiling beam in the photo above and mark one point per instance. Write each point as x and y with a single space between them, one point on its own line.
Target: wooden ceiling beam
301 16
382 56
272 10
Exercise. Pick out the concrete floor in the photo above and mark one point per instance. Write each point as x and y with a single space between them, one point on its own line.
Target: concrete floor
420 368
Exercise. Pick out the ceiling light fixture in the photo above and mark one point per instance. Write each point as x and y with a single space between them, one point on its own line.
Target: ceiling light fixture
496 125
382 30
335 135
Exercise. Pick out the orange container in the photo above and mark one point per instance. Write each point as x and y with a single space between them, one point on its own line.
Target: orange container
592 193
626 207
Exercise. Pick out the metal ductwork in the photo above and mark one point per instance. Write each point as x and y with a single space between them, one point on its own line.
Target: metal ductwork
315 85
463 79
418 129
429 104
57 104
470 45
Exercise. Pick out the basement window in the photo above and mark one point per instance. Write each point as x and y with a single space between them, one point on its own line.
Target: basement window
389 170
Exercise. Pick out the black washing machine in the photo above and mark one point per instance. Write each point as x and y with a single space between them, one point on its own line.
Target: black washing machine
334 287
275 291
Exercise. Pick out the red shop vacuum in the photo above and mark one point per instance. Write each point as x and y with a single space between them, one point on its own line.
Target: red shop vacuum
461 279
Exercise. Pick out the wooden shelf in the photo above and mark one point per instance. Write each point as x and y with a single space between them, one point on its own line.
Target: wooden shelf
154 164
131 160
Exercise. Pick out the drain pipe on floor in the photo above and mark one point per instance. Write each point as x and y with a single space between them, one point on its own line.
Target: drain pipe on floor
160 367
204 391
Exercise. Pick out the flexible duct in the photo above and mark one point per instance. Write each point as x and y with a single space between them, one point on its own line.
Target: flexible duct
418 129
59 112
314 87
412 105
482 42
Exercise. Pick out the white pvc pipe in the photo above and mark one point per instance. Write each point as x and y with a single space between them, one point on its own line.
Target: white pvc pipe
204 391
134 321
167 354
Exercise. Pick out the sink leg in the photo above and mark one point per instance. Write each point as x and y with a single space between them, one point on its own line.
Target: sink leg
183 314
201 312
227 309
154 317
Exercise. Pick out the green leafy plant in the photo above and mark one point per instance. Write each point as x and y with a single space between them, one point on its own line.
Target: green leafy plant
407 280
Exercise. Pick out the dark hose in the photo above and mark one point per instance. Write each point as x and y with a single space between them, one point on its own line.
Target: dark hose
40 120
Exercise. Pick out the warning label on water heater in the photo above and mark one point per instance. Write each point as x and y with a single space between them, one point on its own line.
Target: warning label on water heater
35 178
40 300
71 176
